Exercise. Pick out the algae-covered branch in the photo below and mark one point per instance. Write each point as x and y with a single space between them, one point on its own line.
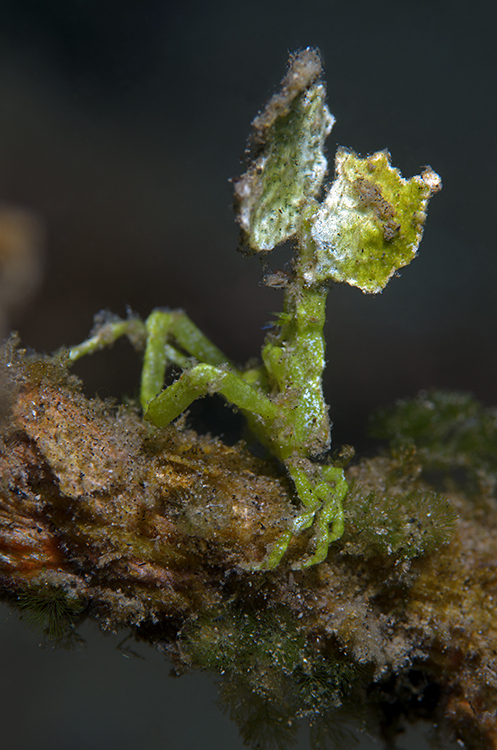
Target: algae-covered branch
103 516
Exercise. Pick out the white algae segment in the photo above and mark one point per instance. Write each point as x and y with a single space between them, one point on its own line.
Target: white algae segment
288 164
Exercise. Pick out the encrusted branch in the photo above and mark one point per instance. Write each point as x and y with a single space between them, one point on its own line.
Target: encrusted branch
103 516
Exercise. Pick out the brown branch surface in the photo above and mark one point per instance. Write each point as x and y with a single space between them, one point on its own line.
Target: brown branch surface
149 529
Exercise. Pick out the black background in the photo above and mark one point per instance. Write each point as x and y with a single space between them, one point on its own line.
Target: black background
121 122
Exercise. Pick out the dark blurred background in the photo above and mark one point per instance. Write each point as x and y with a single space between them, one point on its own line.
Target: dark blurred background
122 120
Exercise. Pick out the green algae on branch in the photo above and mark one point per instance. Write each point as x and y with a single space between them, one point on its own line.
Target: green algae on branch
456 437
368 226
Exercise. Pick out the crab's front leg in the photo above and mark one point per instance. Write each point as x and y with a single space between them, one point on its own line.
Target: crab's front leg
152 335
322 498
166 335
201 380
323 506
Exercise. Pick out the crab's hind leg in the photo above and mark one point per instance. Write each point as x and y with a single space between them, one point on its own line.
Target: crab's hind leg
192 340
163 326
301 521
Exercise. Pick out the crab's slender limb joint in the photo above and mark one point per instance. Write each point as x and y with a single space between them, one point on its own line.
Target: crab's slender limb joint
202 380
155 360
107 332
175 325
190 338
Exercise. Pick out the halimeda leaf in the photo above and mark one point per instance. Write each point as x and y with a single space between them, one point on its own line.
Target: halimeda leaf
371 221
287 162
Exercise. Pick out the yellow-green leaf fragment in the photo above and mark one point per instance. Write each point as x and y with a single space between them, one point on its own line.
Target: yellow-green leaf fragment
287 162
371 221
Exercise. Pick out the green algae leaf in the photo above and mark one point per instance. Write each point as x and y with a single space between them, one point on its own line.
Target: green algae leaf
287 162
371 221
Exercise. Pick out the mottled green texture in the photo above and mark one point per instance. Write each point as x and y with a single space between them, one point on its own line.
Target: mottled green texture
287 164
370 223
290 170
235 639
404 526
271 674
